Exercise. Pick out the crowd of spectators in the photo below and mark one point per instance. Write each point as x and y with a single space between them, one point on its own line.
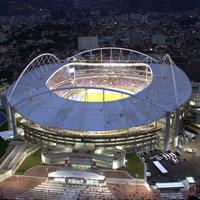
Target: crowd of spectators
116 82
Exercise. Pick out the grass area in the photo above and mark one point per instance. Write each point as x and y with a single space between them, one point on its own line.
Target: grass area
134 166
3 146
32 160
2 87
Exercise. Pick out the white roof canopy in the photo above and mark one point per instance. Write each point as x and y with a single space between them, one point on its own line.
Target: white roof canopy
168 185
76 174
168 90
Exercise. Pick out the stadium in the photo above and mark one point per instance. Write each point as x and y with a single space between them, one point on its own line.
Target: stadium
99 105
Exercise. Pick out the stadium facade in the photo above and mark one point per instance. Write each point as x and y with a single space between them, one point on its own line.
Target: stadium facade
105 101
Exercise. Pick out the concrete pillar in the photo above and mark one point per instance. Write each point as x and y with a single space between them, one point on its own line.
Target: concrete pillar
9 117
177 126
167 132
14 122
197 116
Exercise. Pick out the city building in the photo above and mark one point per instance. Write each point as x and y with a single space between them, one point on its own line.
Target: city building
85 43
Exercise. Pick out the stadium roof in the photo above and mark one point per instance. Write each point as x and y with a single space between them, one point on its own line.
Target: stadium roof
30 96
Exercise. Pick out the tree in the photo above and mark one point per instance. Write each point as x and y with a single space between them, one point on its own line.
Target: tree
192 198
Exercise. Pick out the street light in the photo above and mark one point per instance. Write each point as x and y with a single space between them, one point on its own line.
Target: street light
136 183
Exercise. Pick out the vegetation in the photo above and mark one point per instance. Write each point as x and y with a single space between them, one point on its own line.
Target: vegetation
192 198
134 166
4 127
29 162
3 146
2 87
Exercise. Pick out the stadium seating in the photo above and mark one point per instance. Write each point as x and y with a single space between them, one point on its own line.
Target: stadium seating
53 190
106 78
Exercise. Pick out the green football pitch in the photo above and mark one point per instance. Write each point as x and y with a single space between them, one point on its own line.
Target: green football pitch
94 96
100 97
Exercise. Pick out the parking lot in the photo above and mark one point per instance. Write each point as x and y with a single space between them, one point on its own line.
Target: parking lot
186 164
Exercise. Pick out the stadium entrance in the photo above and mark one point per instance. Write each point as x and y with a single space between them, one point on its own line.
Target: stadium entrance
77 177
